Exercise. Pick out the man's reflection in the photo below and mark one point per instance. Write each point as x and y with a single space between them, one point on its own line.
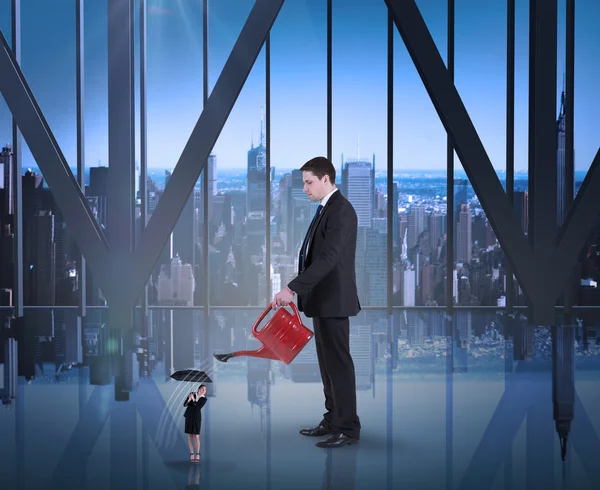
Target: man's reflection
340 469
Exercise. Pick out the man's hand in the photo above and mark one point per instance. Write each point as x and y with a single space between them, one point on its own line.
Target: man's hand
283 298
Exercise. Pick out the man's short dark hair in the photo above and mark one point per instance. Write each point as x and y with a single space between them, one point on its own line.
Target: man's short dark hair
202 386
320 167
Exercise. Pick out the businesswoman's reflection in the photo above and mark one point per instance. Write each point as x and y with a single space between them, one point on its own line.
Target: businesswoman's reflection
193 420
193 477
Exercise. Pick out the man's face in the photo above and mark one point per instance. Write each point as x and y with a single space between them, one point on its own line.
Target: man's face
314 188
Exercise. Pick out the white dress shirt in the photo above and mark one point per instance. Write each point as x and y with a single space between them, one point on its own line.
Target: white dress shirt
323 202
326 198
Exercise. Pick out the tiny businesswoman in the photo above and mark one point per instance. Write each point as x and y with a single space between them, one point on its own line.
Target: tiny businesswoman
193 419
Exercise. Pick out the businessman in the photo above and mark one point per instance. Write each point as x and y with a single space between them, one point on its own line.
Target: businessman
326 292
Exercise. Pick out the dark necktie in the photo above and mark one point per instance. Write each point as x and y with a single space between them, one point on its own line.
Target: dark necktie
307 238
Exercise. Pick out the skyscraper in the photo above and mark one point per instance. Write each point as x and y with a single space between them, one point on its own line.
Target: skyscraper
255 223
358 185
257 177
6 226
416 225
460 193
463 234
521 206
361 349
212 174
6 176
436 229
97 193
176 284
562 206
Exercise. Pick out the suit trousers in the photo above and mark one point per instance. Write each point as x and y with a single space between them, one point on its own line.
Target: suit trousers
332 339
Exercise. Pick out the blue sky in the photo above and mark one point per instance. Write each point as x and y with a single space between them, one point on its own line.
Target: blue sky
298 79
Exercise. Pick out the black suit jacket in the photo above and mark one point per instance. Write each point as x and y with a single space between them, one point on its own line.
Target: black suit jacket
194 409
327 286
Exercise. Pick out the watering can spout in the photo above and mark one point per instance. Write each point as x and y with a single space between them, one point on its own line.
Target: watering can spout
224 357
282 338
262 353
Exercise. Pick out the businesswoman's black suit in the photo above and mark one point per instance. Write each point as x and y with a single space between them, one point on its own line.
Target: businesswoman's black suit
193 415
326 289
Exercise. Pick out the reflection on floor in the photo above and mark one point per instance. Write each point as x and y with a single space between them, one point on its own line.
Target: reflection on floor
436 413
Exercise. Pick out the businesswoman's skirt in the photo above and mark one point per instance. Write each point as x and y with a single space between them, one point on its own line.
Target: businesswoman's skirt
192 426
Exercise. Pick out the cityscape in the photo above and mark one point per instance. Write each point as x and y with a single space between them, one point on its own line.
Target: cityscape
237 269
456 383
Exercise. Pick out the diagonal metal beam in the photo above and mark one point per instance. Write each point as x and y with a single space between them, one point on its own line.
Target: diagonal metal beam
499 435
579 223
541 284
540 437
150 406
48 155
465 140
520 398
123 445
584 440
203 138
83 438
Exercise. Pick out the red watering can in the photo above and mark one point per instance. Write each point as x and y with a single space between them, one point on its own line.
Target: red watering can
282 338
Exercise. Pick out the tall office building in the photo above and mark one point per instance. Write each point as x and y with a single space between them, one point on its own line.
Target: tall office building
40 278
437 229
521 207
463 235
187 234
176 287
283 204
562 205
371 266
98 189
415 226
358 185
409 286
463 329
396 238
361 349
460 193
460 198
6 226
44 254
6 176
402 227
257 176
305 368
254 236
259 384
176 284
211 168
212 174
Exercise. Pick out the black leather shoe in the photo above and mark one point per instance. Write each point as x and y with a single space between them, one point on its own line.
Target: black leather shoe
336 440
318 431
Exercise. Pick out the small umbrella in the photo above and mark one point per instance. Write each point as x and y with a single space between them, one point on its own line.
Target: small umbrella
191 375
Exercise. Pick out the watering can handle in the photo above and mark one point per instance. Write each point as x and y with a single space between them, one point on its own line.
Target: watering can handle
265 313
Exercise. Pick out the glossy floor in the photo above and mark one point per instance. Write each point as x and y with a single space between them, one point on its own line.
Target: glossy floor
486 425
